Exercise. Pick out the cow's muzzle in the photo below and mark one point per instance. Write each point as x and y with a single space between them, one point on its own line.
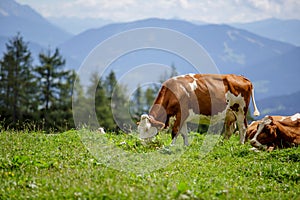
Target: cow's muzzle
145 129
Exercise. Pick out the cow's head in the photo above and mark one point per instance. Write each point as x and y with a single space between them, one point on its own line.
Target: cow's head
252 130
265 135
148 126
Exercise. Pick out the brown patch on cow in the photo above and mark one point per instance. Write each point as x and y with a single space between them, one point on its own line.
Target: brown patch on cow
235 107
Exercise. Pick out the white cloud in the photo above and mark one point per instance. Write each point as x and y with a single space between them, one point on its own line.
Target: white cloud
218 11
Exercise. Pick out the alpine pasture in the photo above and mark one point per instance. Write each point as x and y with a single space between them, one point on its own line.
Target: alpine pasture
37 165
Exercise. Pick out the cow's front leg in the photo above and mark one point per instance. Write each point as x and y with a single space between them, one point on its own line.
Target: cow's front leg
184 134
174 138
175 134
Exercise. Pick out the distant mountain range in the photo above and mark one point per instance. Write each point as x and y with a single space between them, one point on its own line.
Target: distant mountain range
21 18
276 29
280 105
266 52
76 25
266 62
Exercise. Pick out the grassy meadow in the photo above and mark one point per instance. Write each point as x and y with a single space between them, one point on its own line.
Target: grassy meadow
37 165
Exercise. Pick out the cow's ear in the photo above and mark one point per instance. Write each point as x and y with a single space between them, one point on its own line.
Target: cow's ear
156 123
272 130
271 120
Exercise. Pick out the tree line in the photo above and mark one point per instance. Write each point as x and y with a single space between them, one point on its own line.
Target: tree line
39 96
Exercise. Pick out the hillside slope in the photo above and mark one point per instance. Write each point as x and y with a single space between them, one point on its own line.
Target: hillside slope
280 105
281 30
22 18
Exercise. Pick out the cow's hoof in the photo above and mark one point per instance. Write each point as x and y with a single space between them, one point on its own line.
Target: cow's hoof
254 149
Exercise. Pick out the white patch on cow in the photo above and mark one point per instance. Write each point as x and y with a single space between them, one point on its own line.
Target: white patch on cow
177 77
295 117
185 91
231 99
265 121
193 85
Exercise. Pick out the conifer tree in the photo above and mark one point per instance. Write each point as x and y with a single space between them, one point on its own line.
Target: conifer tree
81 107
137 103
119 101
53 84
149 98
102 103
17 83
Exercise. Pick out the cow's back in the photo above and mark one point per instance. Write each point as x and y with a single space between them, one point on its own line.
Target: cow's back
222 87
204 93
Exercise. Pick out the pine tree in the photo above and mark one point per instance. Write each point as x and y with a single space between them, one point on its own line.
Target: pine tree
64 104
54 86
119 101
17 83
102 103
50 73
149 98
81 107
110 83
137 103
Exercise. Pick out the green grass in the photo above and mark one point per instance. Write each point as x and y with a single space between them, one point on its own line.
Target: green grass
34 165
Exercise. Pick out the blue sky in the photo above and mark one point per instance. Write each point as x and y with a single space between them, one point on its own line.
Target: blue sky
217 11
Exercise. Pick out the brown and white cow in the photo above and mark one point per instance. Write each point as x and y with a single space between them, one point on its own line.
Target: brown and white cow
275 132
252 128
192 96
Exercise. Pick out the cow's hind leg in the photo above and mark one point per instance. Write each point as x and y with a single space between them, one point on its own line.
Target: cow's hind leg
241 127
230 120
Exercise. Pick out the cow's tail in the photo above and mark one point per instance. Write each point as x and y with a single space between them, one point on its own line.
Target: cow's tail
256 112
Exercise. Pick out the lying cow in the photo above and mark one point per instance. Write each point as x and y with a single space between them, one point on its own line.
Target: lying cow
275 132
252 128
190 97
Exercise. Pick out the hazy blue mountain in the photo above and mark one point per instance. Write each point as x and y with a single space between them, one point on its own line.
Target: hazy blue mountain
16 18
280 105
281 30
76 25
233 50
230 48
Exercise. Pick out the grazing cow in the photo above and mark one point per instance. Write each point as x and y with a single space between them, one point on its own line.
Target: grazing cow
194 96
276 132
